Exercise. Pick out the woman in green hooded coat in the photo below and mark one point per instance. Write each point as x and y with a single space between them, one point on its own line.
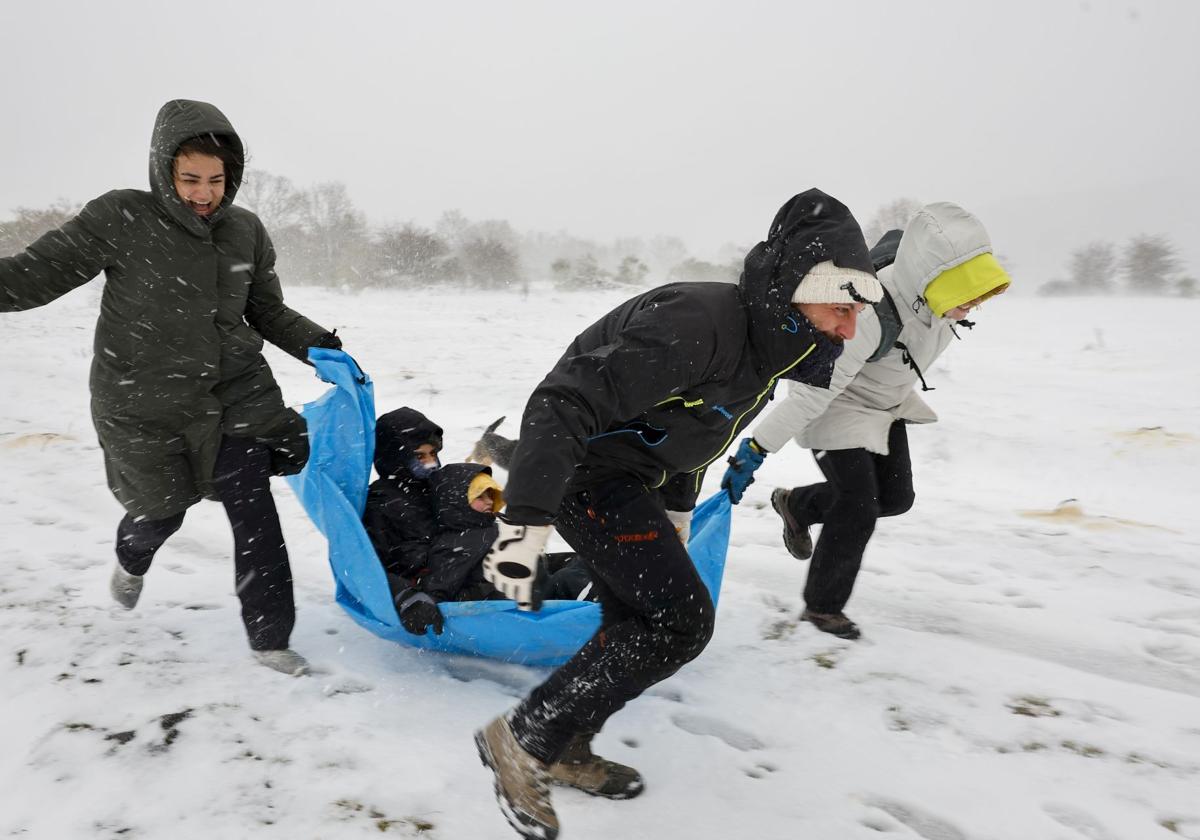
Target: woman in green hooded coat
183 401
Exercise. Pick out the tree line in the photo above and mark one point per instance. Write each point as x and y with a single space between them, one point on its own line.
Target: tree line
1146 265
322 238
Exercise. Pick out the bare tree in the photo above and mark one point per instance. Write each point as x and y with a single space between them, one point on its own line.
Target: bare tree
273 198
560 271
893 216
587 274
410 254
1148 264
28 223
453 227
631 271
335 243
490 264
693 270
1094 268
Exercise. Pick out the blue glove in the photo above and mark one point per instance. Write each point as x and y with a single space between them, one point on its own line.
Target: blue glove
742 464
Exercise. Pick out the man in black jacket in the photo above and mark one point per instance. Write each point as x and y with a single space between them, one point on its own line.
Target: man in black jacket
613 448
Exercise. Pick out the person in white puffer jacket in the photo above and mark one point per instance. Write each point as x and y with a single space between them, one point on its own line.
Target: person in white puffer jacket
944 267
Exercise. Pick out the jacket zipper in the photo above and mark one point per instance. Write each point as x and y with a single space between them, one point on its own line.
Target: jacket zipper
770 384
686 403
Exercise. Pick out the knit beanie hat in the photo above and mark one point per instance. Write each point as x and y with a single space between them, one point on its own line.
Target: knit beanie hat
827 282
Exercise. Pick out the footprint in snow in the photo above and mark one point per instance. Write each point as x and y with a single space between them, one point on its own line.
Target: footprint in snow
737 738
1176 653
1077 819
918 820
1183 622
78 562
1178 586
346 687
179 568
666 693
760 770
515 680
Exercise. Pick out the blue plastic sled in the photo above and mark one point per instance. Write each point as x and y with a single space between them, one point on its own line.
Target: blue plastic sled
333 490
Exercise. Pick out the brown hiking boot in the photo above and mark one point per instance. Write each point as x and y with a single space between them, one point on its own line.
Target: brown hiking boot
520 781
835 623
796 538
579 767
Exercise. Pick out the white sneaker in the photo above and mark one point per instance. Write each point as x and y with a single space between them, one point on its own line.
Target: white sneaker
285 661
124 587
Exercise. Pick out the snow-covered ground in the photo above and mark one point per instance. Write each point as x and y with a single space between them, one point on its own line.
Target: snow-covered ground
1023 673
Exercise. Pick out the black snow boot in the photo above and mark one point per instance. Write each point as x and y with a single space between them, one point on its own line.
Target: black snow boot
795 536
579 767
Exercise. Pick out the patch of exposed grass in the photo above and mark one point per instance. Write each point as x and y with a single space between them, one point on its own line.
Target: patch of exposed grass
1033 707
1085 750
824 660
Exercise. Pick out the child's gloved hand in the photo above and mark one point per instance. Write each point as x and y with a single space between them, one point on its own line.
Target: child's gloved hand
418 612
742 464
512 564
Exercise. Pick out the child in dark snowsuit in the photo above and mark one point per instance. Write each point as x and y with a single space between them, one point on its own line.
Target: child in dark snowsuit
465 500
432 526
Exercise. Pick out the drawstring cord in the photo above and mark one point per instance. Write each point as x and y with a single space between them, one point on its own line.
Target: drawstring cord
907 358
965 324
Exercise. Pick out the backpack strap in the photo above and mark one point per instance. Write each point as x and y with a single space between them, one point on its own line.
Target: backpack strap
889 326
884 252
883 255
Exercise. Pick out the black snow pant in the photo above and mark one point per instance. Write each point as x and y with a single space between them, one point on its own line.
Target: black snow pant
262 575
859 487
657 615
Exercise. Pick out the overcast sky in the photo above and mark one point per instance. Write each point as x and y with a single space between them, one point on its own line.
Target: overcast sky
1056 122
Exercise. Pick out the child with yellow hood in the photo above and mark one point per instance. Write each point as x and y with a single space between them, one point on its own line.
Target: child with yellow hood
466 499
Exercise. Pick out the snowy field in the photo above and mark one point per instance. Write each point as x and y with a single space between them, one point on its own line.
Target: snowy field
1027 671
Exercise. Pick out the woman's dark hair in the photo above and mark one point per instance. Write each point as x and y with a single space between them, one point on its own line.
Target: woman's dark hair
213 145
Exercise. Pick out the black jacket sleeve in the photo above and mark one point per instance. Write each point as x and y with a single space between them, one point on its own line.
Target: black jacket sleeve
401 542
613 372
455 560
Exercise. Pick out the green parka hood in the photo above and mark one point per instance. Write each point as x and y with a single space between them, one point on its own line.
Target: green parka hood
178 121
186 307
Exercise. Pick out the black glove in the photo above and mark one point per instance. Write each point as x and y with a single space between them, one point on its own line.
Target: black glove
329 341
418 612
